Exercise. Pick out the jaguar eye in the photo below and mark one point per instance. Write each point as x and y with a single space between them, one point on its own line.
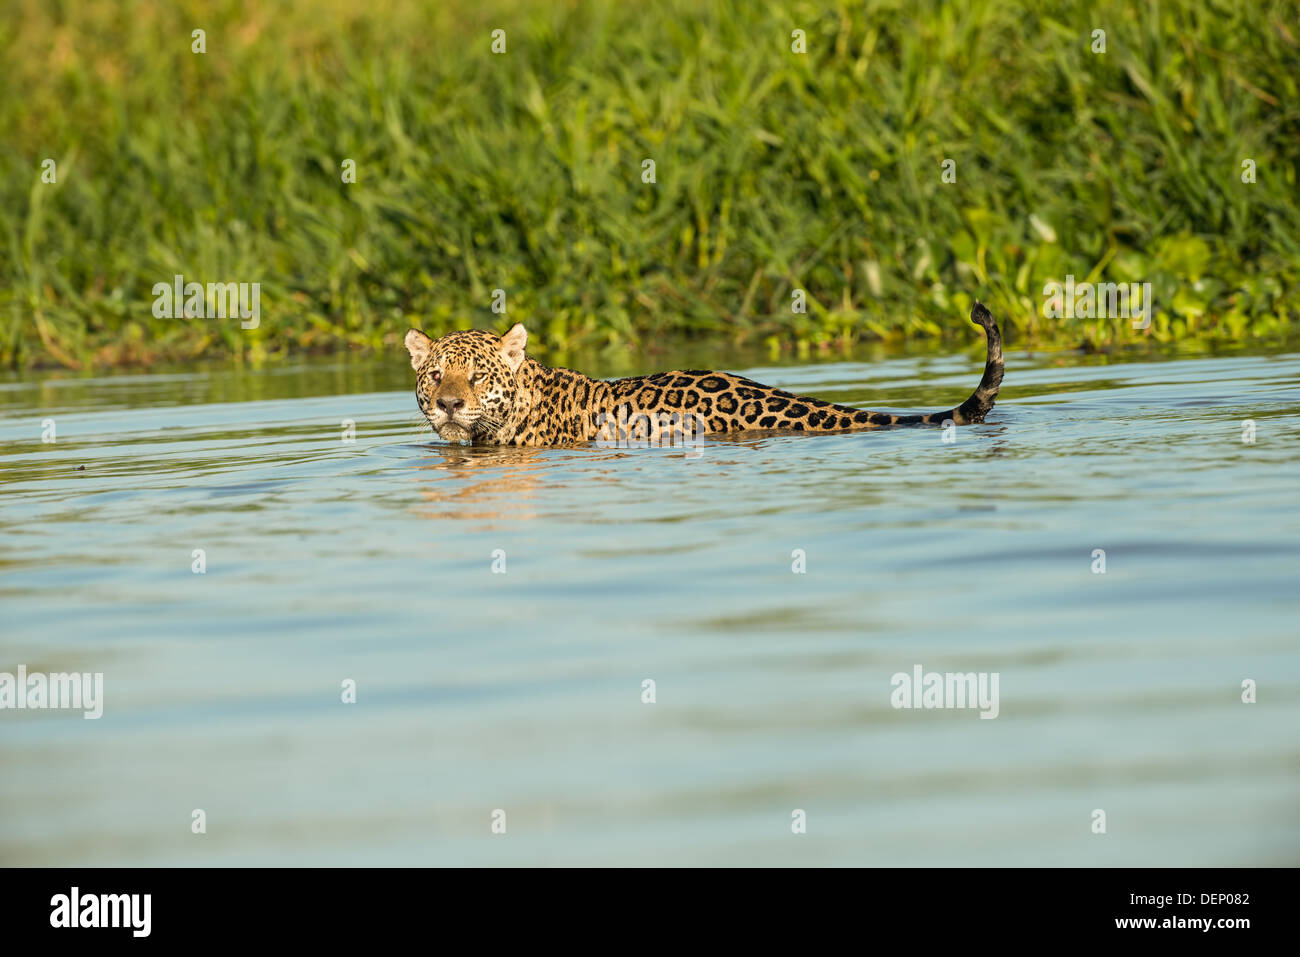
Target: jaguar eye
437 375
476 378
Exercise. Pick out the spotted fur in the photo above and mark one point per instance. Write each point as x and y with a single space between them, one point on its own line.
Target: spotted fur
477 387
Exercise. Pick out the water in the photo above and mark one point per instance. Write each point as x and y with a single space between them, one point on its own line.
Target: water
522 691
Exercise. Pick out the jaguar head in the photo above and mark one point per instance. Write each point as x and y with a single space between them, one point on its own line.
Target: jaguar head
466 382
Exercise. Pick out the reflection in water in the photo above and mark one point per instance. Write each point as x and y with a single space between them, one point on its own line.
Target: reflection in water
462 458
479 481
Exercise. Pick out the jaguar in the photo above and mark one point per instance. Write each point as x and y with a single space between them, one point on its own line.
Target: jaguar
474 386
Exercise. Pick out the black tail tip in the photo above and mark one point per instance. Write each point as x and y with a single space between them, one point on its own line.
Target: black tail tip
980 315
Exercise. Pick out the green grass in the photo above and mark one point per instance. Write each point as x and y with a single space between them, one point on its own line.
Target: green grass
523 171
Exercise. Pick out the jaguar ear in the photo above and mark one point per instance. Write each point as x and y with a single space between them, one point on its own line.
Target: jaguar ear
418 345
512 346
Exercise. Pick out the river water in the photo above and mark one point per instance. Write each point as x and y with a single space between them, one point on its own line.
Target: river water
501 612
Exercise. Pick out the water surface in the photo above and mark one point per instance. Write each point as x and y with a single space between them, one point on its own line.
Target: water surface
499 611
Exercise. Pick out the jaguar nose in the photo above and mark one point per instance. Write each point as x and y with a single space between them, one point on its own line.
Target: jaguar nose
450 404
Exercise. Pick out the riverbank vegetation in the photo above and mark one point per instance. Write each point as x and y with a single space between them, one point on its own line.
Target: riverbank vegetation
627 173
